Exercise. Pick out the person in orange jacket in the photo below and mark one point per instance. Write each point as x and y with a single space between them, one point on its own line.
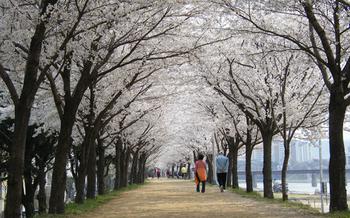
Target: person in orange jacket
200 173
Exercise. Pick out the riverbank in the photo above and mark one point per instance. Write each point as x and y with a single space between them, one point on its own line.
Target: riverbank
305 201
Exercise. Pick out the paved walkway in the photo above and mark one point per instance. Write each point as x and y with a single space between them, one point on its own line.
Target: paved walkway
176 198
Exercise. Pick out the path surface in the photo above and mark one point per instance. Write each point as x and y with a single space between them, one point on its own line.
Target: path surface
176 198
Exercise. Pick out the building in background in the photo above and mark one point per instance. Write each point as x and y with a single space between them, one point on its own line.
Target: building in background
301 151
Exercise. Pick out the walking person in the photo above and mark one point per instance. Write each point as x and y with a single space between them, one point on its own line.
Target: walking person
184 171
221 170
200 173
158 173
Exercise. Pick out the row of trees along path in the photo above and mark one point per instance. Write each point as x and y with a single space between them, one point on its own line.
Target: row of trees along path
85 62
177 198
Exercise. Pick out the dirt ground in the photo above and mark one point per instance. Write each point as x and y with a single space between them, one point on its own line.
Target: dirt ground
177 198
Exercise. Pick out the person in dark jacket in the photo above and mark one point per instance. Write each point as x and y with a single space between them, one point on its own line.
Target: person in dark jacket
221 170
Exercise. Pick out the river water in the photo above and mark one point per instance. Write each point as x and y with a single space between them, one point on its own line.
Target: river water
294 187
305 189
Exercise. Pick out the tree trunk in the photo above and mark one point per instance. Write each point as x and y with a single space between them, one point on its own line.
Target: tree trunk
22 115
189 170
248 168
285 169
16 163
234 167
28 193
173 170
133 174
28 198
141 170
80 183
267 172
58 183
81 171
122 168
71 104
229 172
248 157
210 178
42 192
125 165
101 187
91 172
117 163
337 109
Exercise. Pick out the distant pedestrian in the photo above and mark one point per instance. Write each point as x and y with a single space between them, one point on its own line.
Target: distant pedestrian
184 171
200 173
158 173
222 163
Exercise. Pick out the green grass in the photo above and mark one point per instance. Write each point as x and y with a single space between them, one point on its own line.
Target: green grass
89 204
339 214
295 205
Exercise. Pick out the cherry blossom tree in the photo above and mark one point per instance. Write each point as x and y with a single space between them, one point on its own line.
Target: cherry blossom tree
97 115
303 105
112 52
245 133
258 95
24 38
320 29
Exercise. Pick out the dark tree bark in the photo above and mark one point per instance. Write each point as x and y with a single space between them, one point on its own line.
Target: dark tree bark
233 146
285 169
28 196
229 146
125 166
234 165
248 158
16 163
267 171
210 178
141 168
28 202
133 173
117 163
42 191
91 172
30 185
189 170
85 157
80 178
101 186
173 170
248 168
122 168
80 183
229 172
337 175
58 184
38 148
